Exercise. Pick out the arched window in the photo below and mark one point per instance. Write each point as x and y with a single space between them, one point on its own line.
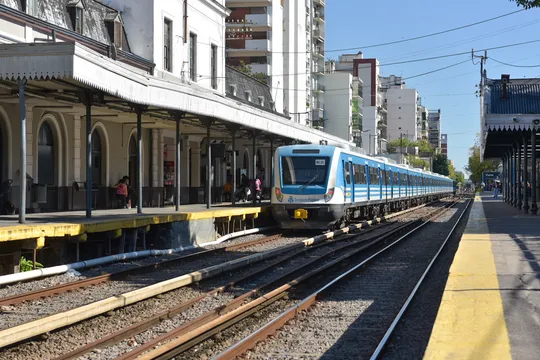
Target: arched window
133 162
46 151
97 159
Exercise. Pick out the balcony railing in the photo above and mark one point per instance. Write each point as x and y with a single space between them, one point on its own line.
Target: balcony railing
318 88
317 124
318 34
317 114
261 68
318 51
259 19
319 2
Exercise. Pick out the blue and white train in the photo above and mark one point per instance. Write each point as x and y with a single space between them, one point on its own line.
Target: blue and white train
325 187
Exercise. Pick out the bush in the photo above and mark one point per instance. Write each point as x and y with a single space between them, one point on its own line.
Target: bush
28 265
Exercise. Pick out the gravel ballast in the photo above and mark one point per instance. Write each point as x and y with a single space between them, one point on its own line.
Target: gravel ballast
352 318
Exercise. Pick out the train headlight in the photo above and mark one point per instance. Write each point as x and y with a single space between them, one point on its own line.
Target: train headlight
279 195
328 195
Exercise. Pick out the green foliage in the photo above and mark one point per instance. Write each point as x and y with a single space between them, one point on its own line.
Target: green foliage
423 145
417 162
441 164
28 265
527 4
246 69
477 167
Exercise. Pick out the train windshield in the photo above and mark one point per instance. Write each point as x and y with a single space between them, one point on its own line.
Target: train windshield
304 170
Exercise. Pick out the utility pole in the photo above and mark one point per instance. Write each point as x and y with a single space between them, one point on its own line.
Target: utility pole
483 59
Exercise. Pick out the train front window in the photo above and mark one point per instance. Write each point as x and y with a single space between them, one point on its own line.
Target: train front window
304 170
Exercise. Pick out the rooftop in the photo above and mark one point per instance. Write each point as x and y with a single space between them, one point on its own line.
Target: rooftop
522 96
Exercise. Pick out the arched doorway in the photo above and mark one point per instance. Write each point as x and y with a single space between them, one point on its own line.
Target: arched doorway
46 155
132 169
97 158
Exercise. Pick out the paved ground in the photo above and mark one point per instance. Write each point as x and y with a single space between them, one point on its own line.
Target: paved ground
515 238
490 306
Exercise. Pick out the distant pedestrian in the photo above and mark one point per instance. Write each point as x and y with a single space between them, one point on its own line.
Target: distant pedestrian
495 190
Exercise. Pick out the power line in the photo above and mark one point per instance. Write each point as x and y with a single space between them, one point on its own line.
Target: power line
428 35
519 66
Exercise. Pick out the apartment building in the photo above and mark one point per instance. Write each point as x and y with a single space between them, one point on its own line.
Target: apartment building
402 107
284 40
444 144
339 97
434 130
422 125
373 120
254 39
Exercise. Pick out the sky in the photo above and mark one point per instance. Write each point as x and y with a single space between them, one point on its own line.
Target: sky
358 24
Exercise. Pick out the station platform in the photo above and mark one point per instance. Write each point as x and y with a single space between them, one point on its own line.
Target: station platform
75 223
490 308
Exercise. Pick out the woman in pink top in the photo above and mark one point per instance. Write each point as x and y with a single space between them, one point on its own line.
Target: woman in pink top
122 192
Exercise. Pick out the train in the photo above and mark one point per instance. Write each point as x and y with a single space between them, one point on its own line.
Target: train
324 187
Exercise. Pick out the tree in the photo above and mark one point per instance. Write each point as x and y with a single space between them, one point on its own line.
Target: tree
246 69
417 162
392 146
477 167
440 164
527 4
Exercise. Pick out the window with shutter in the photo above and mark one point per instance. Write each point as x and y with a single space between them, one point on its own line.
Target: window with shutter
118 34
167 45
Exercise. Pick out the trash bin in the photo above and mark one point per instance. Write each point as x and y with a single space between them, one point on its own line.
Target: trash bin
40 193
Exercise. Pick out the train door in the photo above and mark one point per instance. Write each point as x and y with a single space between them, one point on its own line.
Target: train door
368 181
347 181
381 182
351 179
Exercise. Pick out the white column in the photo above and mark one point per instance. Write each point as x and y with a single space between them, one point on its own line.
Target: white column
77 148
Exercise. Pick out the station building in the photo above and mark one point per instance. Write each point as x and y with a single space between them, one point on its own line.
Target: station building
93 91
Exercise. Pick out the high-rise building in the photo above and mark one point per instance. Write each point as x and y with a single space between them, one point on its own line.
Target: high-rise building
339 93
434 132
422 125
444 144
254 42
374 110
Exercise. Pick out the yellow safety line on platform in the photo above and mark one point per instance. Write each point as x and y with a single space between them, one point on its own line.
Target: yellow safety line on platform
470 323
77 227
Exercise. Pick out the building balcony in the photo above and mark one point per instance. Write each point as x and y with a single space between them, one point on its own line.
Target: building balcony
318 52
261 68
317 124
319 17
259 19
248 3
318 88
252 48
318 34
317 70
318 106
319 3
317 114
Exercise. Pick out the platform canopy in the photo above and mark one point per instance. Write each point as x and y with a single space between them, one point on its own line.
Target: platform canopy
68 64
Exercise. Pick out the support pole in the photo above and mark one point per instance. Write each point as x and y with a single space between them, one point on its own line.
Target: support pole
516 176
254 188
139 161
534 206
233 197
177 167
22 153
271 161
519 177
505 178
526 206
89 181
512 175
208 169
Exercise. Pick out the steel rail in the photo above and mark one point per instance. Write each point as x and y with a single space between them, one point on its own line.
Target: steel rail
271 327
398 317
190 334
156 319
63 288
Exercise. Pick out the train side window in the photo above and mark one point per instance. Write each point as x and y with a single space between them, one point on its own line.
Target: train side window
374 176
347 173
388 177
359 174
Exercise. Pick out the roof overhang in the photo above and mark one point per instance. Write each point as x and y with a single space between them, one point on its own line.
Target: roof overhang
72 61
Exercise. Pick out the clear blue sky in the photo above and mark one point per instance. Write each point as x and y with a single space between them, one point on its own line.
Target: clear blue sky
354 23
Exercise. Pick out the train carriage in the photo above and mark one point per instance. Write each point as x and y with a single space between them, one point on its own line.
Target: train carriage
321 186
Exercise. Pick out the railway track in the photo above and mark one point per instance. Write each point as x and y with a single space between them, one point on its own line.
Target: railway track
316 251
122 274
307 314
